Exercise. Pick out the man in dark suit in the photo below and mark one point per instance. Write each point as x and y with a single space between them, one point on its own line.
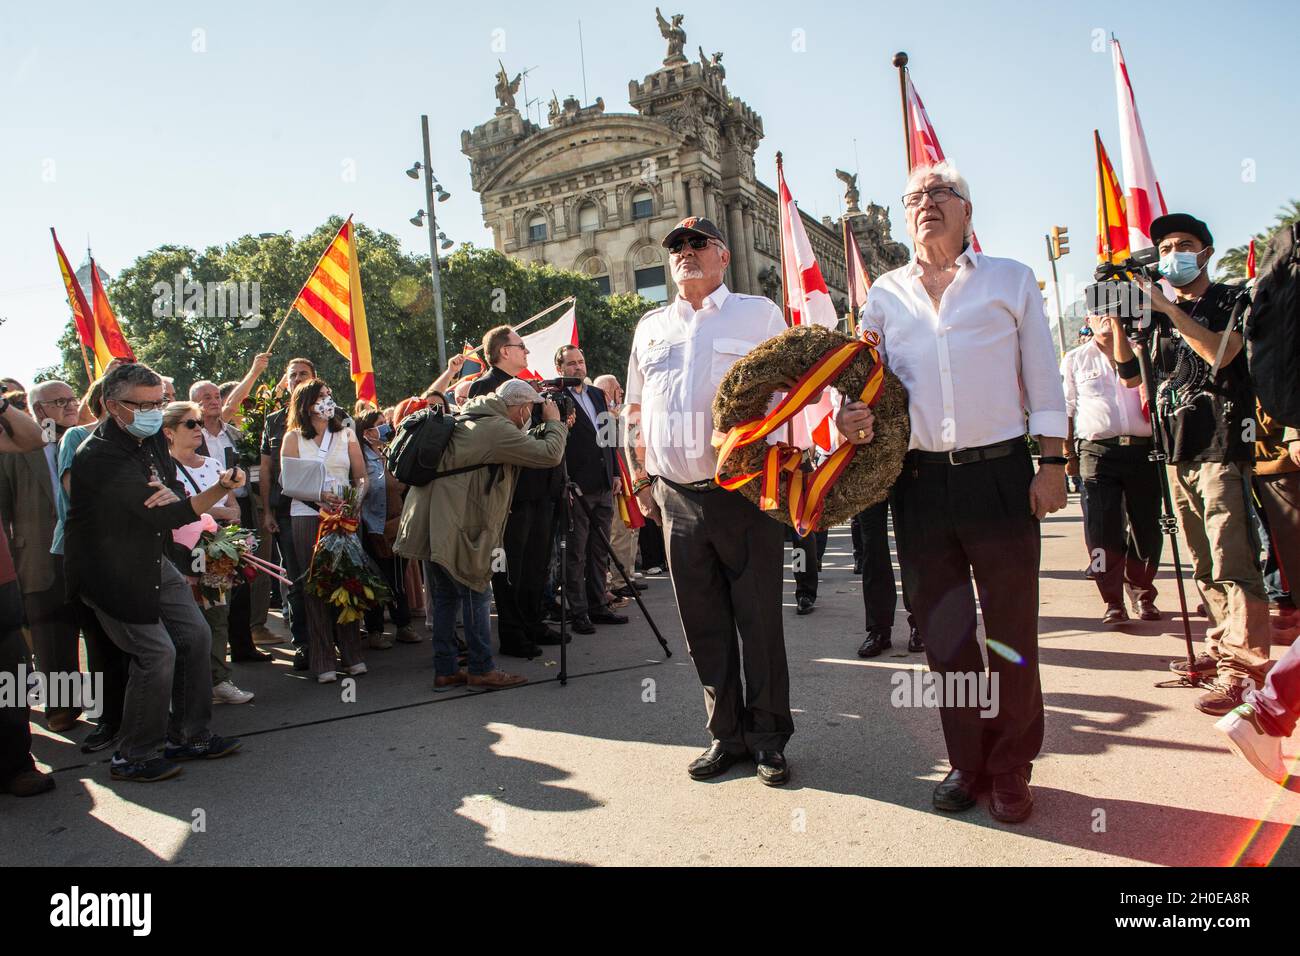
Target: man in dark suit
27 496
518 590
589 457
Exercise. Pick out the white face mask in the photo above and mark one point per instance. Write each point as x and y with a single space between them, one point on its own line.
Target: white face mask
325 407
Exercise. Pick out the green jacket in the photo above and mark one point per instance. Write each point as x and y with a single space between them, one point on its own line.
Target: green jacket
459 521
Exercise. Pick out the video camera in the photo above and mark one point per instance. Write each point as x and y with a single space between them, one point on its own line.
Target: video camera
1115 292
557 390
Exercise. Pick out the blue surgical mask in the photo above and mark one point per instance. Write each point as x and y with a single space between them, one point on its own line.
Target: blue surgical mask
145 424
385 432
1180 268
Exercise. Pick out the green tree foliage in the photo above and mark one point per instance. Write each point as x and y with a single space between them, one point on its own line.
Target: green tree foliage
1232 265
481 288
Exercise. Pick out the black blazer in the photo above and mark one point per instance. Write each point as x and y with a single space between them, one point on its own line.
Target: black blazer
591 465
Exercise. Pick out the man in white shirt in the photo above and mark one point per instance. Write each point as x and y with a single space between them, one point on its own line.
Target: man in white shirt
724 555
1119 478
967 336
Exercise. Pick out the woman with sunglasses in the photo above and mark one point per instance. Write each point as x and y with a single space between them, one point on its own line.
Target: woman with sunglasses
183 427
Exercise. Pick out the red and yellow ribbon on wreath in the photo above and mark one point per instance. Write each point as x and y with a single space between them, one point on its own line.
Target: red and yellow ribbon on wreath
807 490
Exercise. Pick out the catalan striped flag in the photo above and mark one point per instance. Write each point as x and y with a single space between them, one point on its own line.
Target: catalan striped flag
1112 213
331 301
473 367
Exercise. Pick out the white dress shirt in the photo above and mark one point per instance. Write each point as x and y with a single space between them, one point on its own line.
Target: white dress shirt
1101 405
976 368
679 357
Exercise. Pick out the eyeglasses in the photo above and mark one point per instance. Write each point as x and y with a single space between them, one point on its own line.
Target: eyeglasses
515 345
696 242
191 423
940 194
142 406
58 402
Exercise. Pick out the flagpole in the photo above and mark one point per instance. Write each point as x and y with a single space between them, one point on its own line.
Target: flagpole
849 322
783 211
567 300
289 311
900 61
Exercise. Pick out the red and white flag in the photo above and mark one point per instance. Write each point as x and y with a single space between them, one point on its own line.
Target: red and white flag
807 302
856 269
543 343
923 147
1143 199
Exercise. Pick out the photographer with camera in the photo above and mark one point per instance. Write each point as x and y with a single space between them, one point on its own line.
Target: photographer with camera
455 523
1205 409
591 466
528 536
1119 479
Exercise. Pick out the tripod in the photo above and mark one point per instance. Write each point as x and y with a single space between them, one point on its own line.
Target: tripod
1168 522
571 494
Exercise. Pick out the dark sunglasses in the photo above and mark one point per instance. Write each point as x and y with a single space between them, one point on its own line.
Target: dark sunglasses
696 242
191 423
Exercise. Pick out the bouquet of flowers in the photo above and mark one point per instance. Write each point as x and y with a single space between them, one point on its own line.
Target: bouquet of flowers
222 557
254 411
341 573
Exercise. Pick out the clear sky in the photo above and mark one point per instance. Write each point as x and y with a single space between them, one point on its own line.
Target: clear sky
148 123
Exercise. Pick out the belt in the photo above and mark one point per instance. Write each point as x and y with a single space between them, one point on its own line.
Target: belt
1120 441
708 484
966 456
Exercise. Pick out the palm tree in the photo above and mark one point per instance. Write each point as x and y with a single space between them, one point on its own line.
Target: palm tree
1232 265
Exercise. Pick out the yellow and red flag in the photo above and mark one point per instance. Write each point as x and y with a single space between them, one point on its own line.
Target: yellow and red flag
331 301
81 316
110 343
1112 214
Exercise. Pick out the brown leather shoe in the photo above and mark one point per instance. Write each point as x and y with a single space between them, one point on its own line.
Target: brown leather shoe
29 783
449 682
61 721
1011 800
494 680
956 792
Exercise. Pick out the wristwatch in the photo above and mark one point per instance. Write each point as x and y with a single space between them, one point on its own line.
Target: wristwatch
1052 460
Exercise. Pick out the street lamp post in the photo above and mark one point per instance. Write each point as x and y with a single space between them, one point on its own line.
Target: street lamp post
429 202
1057 246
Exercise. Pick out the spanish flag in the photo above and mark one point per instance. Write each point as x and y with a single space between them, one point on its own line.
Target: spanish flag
76 298
1112 216
331 301
110 343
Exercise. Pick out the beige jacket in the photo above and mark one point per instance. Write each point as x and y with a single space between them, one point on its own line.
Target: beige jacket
458 521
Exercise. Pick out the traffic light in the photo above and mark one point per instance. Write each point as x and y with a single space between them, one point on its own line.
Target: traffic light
1060 241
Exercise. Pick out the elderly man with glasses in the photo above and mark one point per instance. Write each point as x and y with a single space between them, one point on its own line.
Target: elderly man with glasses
967 336
124 503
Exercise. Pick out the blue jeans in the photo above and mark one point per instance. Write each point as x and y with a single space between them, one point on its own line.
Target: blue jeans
448 593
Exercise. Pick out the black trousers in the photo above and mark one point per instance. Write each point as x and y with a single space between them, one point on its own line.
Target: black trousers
518 590
55 636
725 559
879 595
295 571
106 658
15 722
1119 483
959 520
650 540
241 606
393 568
586 558
806 555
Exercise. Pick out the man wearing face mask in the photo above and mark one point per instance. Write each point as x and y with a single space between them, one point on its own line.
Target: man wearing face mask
1206 412
124 502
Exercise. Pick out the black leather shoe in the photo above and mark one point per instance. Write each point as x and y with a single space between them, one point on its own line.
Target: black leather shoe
875 644
101 738
956 792
857 565
256 657
772 768
604 616
914 642
1115 614
525 649
300 659
1011 801
582 625
1147 611
805 605
551 636
712 762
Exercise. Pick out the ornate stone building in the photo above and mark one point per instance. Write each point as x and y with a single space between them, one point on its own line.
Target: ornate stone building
596 191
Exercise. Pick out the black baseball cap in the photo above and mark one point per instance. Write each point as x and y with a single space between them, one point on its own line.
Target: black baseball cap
1180 222
693 225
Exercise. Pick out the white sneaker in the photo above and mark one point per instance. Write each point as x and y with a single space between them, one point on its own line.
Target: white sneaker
228 693
328 677
355 669
1249 740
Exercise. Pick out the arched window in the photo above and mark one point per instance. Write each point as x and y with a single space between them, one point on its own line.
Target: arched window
588 217
537 228
642 204
650 283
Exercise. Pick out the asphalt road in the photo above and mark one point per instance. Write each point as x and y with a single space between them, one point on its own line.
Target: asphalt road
594 772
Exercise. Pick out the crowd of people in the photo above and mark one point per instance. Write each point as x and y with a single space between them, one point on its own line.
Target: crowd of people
100 495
